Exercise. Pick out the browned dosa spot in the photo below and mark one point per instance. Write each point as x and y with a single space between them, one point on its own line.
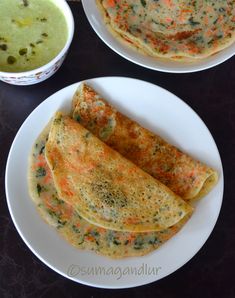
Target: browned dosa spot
183 35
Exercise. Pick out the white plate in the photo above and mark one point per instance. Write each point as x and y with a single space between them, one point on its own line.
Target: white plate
156 109
96 21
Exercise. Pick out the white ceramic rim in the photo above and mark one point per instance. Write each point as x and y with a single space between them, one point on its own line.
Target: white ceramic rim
197 246
96 21
70 24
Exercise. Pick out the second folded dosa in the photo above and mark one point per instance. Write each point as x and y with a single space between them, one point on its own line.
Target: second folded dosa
185 176
105 188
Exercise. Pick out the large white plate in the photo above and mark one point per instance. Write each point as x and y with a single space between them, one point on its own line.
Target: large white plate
156 109
96 21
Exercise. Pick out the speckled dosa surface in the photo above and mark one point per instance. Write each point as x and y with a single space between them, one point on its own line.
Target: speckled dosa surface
210 93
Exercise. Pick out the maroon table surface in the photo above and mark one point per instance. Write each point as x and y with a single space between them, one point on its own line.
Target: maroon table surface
210 93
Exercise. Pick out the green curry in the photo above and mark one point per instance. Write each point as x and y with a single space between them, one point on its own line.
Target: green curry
32 33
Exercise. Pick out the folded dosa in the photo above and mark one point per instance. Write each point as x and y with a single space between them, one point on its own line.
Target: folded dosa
105 188
185 176
76 230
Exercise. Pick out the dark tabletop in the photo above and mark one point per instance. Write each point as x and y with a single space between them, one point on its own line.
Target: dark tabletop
210 93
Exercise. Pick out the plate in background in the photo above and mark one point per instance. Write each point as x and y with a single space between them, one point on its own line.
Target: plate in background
156 109
95 18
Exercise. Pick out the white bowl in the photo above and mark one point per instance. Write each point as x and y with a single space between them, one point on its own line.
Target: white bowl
94 16
44 72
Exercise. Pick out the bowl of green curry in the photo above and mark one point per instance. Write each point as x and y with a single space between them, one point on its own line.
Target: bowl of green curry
34 39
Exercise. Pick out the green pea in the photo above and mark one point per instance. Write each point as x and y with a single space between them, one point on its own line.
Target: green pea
3 47
23 51
11 60
25 3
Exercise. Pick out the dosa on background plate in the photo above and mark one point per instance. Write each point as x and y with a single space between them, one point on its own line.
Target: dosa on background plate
184 175
105 188
76 230
172 29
